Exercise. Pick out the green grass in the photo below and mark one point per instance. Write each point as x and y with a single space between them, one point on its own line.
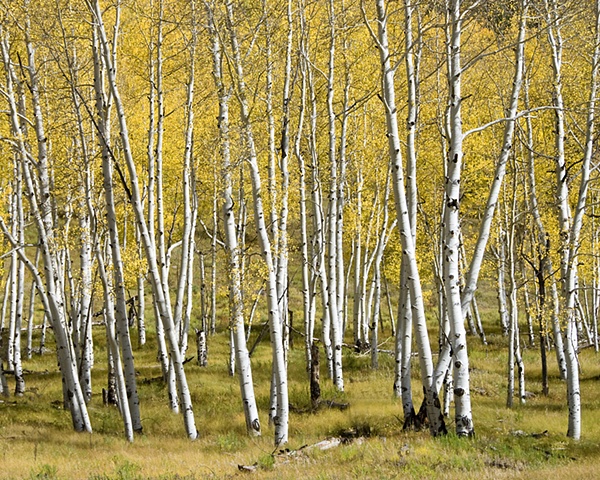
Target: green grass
37 441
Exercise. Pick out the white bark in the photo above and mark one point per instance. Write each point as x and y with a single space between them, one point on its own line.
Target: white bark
484 232
507 141
332 216
279 367
157 283
384 237
514 341
282 234
570 228
118 285
546 261
432 402
403 344
19 297
307 297
238 338
501 284
462 395
31 315
318 241
141 300
111 335
570 282
154 151
357 312
189 212
41 211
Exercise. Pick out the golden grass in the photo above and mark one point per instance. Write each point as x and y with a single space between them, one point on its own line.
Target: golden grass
36 440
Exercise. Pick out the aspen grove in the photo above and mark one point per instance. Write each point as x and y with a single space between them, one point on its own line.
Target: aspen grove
319 175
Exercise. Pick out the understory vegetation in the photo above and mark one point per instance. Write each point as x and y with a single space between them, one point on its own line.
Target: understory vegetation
527 441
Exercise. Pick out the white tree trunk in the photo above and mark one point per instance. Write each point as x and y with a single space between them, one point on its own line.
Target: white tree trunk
425 358
157 283
547 267
111 335
307 297
118 286
242 357
332 214
279 367
41 211
462 395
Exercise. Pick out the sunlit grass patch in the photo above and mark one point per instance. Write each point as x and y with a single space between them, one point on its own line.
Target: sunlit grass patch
523 442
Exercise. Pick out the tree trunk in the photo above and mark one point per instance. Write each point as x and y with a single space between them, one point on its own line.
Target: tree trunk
436 420
279 367
160 294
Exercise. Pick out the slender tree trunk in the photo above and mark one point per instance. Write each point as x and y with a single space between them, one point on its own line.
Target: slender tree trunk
41 212
118 286
242 357
111 335
160 294
332 216
30 318
436 420
307 297
462 395
279 367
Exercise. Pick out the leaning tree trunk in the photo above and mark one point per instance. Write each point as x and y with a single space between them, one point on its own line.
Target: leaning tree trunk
434 415
154 274
119 305
279 367
485 226
41 212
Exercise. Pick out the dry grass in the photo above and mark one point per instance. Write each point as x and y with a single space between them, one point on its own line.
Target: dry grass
36 440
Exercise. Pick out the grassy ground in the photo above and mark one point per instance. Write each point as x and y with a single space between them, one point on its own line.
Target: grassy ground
36 439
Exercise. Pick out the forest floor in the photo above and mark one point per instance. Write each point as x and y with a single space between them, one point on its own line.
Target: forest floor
527 441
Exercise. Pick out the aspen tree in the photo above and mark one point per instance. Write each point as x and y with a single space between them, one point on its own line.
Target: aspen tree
17 278
38 192
30 318
240 349
280 371
140 305
308 302
382 240
82 317
332 216
357 310
485 225
514 340
341 290
436 420
282 225
158 283
451 239
154 152
573 234
189 212
501 284
403 344
213 256
111 335
318 264
103 108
